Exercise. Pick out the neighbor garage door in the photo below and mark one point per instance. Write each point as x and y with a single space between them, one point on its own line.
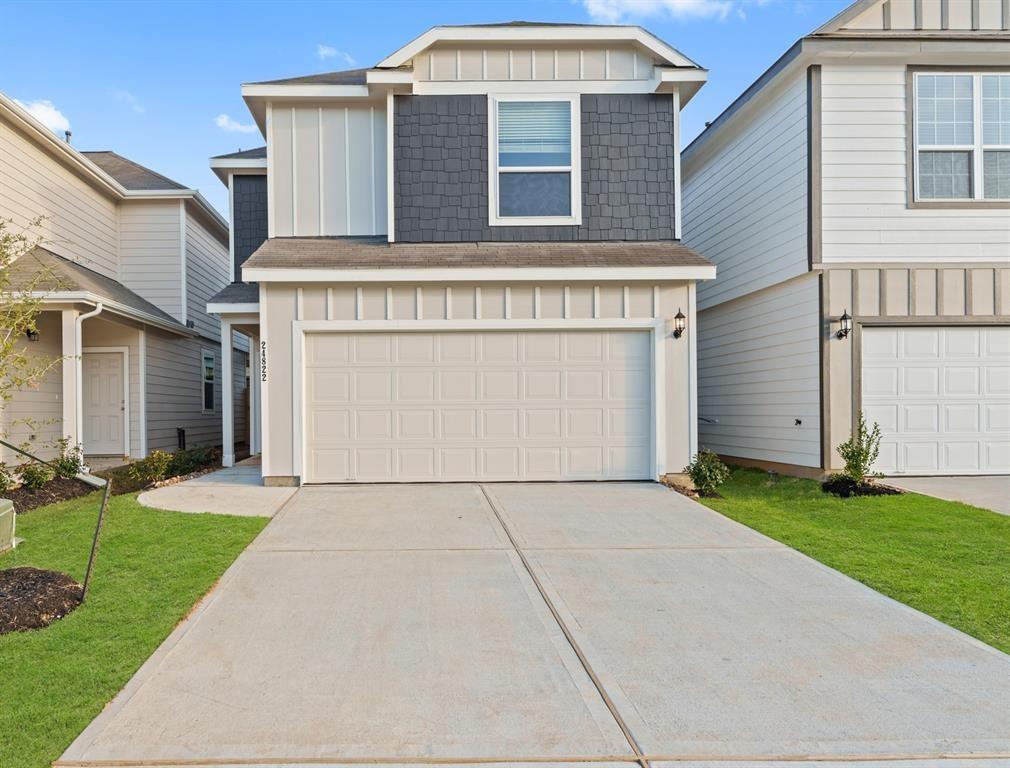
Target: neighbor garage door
534 405
941 396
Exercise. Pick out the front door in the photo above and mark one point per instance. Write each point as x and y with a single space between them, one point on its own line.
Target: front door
104 404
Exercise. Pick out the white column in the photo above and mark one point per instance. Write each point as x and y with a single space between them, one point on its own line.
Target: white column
142 395
227 396
71 364
254 396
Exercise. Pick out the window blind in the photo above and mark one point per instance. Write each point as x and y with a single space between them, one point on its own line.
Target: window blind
534 133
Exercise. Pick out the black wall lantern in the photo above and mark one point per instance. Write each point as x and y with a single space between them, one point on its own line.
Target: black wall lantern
845 323
679 324
32 334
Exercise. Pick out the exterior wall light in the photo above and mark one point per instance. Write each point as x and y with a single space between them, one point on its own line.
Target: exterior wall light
845 321
679 324
32 334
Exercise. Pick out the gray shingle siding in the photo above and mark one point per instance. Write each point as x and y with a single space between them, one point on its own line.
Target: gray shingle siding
441 171
250 212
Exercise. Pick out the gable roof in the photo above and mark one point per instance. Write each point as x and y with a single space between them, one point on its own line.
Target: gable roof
258 153
342 77
133 176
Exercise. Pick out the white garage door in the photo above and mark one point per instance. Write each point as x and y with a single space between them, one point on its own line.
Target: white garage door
531 405
941 396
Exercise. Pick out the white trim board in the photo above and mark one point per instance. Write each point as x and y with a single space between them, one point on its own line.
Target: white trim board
476 274
125 352
299 329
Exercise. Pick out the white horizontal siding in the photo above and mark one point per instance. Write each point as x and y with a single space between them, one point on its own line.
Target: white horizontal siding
81 222
863 166
206 274
150 253
745 206
758 371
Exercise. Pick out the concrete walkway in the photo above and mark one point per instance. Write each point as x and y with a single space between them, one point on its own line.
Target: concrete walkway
553 624
988 492
236 490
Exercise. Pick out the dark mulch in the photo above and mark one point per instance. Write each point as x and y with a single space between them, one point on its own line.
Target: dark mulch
846 487
57 489
31 598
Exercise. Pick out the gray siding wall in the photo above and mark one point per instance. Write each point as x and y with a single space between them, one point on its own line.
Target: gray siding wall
250 213
441 171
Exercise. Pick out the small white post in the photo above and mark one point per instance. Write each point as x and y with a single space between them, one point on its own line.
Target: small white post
71 362
227 395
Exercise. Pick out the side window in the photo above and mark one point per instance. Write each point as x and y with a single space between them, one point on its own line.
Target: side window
534 161
207 374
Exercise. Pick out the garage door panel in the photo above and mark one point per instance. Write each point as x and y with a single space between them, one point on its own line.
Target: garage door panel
949 388
496 406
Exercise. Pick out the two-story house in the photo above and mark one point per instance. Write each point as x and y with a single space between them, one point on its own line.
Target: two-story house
127 262
856 200
472 265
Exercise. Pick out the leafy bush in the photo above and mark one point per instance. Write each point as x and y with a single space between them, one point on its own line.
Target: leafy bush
707 472
153 468
860 451
191 459
70 461
6 478
34 475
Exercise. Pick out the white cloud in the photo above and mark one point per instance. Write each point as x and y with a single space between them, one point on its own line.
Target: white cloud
226 123
129 100
329 52
613 11
46 113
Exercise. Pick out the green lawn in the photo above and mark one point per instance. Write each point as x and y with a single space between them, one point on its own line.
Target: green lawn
152 567
946 559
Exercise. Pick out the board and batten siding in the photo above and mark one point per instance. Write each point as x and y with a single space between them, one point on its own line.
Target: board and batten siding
328 170
542 62
865 213
81 223
207 272
745 199
759 372
150 252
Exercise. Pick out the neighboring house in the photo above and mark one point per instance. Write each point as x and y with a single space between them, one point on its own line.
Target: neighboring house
867 173
130 259
472 267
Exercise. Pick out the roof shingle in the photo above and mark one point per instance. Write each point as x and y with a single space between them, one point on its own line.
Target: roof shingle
131 175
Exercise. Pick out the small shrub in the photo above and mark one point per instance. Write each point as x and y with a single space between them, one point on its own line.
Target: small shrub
860 451
190 460
6 478
153 468
34 475
707 472
70 461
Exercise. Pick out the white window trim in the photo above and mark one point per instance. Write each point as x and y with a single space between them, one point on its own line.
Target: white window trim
204 354
575 169
977 148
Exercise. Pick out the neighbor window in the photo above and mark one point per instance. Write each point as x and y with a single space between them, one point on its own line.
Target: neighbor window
962 136
534 161
207 372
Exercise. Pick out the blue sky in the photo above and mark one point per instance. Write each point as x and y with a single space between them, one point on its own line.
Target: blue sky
152 80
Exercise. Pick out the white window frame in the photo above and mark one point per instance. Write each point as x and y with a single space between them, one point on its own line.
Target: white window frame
575 169
977 148
204 355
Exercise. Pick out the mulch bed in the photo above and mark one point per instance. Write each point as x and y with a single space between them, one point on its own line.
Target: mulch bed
845 487
57 489
31 598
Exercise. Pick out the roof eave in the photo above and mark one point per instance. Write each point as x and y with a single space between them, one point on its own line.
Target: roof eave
115 307
476 274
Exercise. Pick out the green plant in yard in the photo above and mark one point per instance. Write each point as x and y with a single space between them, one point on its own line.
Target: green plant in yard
153 468
707 472
860 451
70 461
191 459
6 478
34 475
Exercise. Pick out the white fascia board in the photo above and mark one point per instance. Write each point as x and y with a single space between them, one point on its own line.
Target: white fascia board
239 163
533 87
304 91
564 34
390 77
475 274
219 308
87 297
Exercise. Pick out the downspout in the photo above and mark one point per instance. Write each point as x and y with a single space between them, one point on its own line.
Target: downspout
79 393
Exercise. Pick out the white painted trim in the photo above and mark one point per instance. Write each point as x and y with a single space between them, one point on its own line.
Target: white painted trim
236 164
419 302
574 170
112 306
228 309
359 303
299 300
70 364
204 353
472 274
294 173
255 421
448 302
321 176
536 302
125 352
390 177
142 383
231 228
184 296
227 396
371 165
509 87
389 77
678 200
626 301
347 170
270 169
596 302
476 302
304 91
692 368
568 34
262 374
389 302
566 303
329 303
300 328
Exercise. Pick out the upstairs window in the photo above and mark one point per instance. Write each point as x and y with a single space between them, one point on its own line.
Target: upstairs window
962 136
534 161
207 374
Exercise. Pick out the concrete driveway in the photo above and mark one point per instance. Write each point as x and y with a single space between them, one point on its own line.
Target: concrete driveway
553 623
986 491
